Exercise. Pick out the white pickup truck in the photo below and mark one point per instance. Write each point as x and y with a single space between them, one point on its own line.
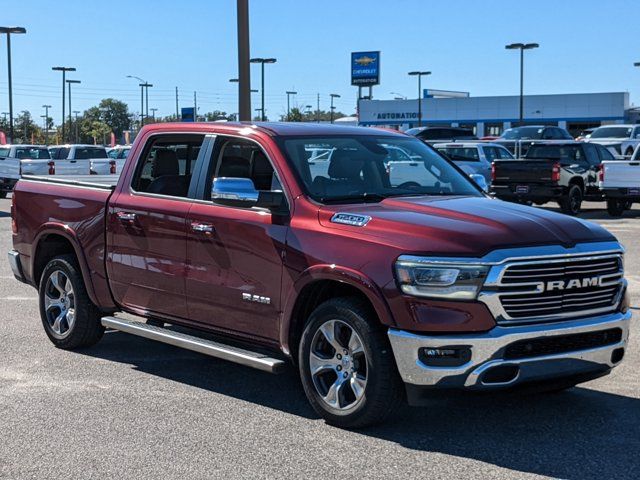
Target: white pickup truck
620 183
18 160
82 160
622 138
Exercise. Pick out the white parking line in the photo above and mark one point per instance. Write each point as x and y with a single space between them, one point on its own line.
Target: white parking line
19 298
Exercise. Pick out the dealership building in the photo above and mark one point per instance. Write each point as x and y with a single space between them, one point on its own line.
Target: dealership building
492 115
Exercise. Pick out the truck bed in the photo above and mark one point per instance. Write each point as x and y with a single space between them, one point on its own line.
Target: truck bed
71 209
107 182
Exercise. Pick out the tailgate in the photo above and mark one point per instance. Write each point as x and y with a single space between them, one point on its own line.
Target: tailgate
522 171
621 174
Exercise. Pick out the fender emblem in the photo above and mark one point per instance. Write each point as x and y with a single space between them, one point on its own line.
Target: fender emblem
350 219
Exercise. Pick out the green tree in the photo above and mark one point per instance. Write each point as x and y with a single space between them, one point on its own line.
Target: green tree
296 115
24 128
99 132
218 115
115 114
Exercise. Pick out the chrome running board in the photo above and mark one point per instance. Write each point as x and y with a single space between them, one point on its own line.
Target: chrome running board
196 344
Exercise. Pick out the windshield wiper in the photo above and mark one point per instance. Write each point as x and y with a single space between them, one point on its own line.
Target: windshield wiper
364 197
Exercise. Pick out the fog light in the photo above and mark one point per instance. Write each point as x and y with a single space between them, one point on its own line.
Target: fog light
445 356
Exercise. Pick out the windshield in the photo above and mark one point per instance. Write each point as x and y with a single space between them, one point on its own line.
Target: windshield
85 153
368 168
523 133
563 153
612 132
32 153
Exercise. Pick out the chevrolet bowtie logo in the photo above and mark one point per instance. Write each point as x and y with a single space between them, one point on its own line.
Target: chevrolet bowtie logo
364 61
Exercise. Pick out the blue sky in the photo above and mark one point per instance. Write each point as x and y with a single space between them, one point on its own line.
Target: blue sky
586 46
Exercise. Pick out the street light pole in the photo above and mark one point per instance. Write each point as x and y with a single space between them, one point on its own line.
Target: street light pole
141 85
9 31
153 114
146 94
64 71
289 93
332 108
76 112
46 123
522 47
419 74
69 82
262 61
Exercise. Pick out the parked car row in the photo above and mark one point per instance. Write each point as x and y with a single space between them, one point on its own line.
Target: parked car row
19 160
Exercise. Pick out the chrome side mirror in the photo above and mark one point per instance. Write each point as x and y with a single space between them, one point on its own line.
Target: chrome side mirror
480 181
240 190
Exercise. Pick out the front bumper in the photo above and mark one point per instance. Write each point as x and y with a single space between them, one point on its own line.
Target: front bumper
487 368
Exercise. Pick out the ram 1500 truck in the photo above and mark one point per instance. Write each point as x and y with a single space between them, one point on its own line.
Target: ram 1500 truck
565 172
220 238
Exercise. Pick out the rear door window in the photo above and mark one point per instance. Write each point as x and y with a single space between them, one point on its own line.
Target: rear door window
86 153
592 156
167 165
603 152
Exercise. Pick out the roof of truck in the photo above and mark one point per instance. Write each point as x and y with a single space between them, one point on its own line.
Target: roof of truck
275 128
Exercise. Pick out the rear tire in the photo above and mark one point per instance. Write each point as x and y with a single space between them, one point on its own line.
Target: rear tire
68 316
572 201
616 208
356 381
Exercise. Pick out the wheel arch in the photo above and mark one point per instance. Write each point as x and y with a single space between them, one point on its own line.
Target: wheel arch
53 240
320 283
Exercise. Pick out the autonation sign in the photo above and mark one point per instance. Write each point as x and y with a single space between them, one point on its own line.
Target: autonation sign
365 68
396 116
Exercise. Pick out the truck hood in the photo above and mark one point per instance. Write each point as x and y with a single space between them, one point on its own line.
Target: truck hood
464 226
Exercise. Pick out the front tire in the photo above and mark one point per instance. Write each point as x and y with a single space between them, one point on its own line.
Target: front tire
572 201
616 208
347 366
68 316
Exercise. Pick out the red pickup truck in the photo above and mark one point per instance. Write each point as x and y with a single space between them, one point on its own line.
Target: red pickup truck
264 244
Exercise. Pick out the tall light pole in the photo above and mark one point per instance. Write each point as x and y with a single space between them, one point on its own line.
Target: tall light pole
251 90
76 112
141 85
69 82
262 61
522 47
146 86
332 108
46 123
419 74
9 31
64 71
153 114
289 93
244 72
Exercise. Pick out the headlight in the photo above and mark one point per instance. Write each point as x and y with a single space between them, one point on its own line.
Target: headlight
455 282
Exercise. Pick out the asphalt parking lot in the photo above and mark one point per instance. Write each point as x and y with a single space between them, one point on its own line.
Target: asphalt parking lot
133 408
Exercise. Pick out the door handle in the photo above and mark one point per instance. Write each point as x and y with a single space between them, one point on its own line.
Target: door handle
202 227
126 217
73 161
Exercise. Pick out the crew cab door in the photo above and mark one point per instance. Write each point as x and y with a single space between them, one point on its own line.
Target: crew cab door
147 227
234 253
593 160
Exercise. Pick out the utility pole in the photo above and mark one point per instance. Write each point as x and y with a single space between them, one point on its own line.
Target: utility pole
195 107
244 71
177 114
64 70
76 112
46 123
318 110
153 114
333 95
262 61
289 93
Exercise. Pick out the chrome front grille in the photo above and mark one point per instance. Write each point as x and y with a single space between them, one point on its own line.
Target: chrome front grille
555 289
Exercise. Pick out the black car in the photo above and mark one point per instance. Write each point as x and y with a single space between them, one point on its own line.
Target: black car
565 172
441 134
519 139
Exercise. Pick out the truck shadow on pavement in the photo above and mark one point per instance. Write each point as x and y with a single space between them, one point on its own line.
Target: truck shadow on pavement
577 434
